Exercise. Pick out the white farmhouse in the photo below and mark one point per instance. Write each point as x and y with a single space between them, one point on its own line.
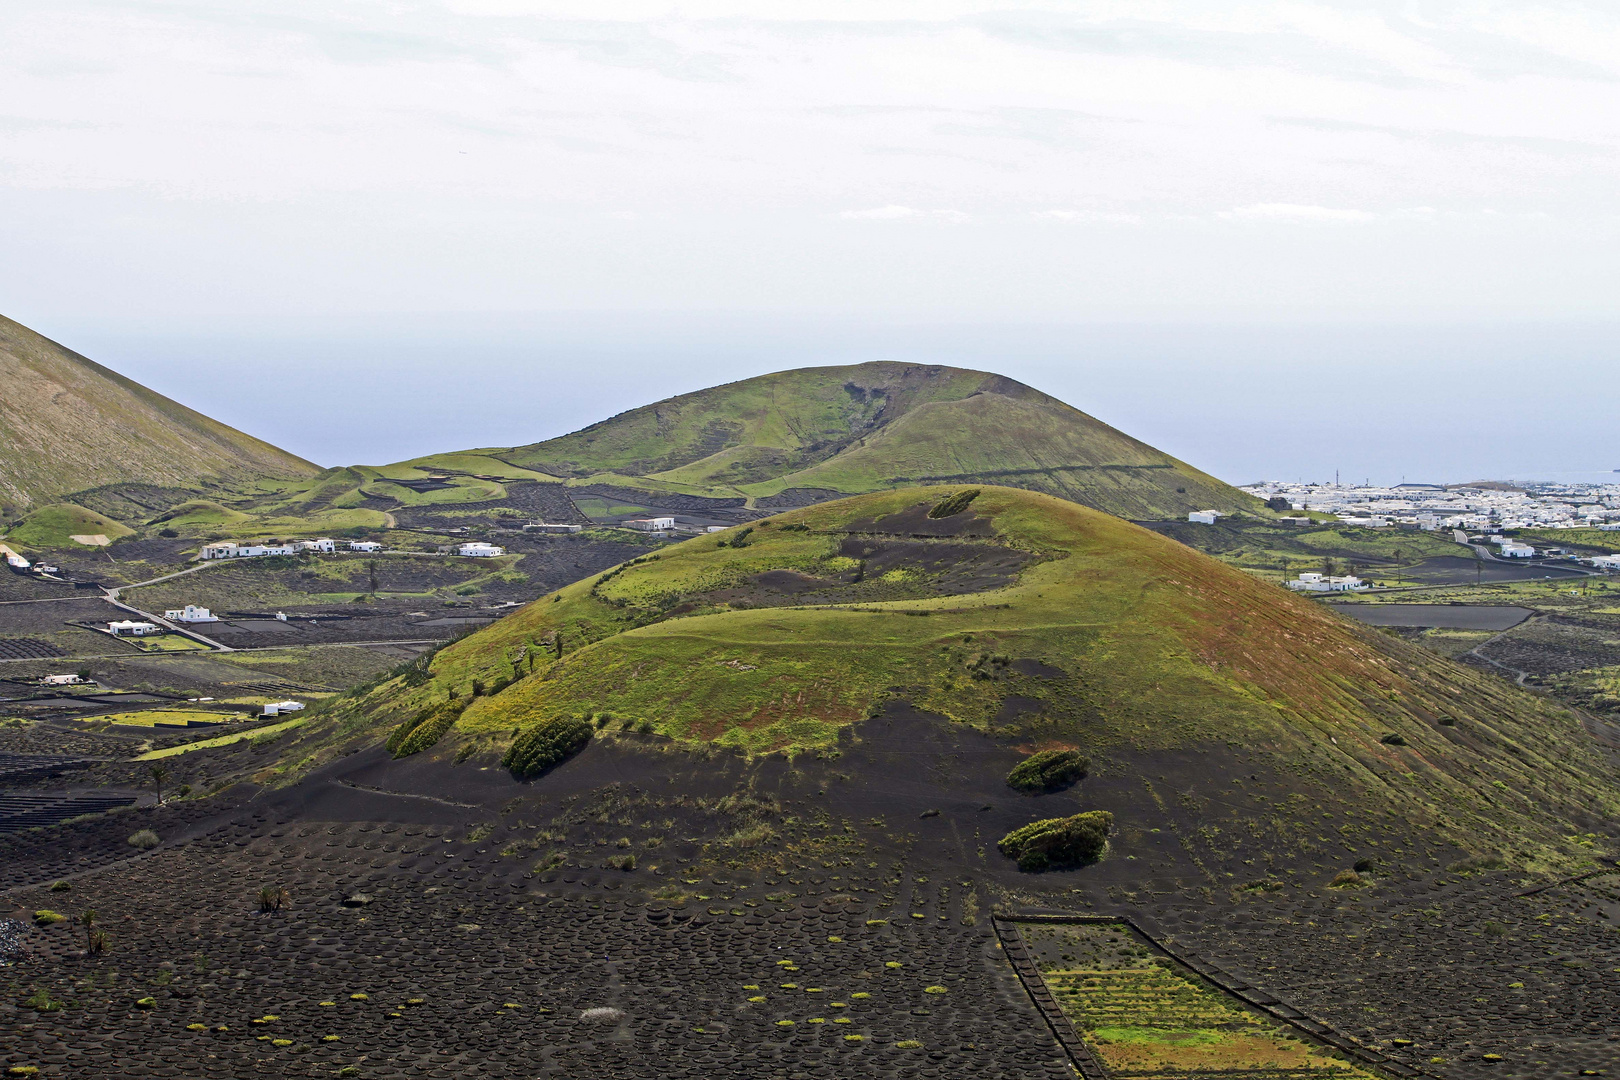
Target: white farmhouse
62 680
131 628
278 708
1607 562
477 549
325 545
190 613
1311 582
1512 549
364 545
651 524
1204 517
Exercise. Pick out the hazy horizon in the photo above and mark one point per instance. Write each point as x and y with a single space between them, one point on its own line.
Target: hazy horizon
1245 403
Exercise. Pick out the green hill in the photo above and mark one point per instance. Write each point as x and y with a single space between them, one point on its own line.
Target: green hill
1039 622
67 424
797 437
57 524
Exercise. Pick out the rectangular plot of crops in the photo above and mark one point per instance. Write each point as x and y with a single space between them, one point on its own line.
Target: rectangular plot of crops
1145 1016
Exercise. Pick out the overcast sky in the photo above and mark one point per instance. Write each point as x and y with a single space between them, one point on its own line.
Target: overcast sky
1159 211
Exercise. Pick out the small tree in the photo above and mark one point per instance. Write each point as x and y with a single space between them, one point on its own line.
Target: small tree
159 774
95 941
273 898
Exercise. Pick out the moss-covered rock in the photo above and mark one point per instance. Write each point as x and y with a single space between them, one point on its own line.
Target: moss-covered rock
1057 842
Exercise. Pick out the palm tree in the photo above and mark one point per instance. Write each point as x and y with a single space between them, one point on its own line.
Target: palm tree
159 775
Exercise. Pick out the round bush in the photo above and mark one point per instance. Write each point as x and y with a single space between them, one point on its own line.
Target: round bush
546 744
1054 842
146 840
1048 770
425 728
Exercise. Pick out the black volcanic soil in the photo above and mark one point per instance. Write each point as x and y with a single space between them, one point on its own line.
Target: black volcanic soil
495 907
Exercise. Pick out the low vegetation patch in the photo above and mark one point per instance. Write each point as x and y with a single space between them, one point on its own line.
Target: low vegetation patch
952 505
1058 842
1048 770
425 728
547 744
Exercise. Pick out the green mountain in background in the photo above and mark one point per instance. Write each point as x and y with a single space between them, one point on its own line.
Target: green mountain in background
67 424
803 436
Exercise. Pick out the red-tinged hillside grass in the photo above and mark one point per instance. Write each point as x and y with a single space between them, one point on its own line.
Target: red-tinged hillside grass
1033 618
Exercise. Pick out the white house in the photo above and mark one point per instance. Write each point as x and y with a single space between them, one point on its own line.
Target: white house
1311 582
1204 517
477 549
364 545
190 613
1607 562
132 628
325 544
62 680
1512 549
227 549
276 708
651 524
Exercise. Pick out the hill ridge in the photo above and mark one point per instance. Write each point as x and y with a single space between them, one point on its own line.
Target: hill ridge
69 424
849 429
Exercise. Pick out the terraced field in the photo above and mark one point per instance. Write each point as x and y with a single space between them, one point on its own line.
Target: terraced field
1146 1017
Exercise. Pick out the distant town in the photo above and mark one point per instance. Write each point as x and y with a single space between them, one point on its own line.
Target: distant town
1485 506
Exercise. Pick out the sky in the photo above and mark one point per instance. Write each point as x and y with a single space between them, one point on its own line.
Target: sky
1275 239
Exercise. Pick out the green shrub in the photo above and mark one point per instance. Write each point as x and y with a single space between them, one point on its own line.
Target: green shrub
737 541
41 1001
60 886
47 917
546 744
952 505
146 840
425 729
1054 842
1048 770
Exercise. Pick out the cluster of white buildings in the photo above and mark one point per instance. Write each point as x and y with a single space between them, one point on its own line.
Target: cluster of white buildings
191 613
230 549
1473 508
1312 582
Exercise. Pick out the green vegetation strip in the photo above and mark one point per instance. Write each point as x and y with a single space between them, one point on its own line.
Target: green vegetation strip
224 740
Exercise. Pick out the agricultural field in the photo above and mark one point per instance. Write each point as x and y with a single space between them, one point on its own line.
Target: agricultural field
1146 1016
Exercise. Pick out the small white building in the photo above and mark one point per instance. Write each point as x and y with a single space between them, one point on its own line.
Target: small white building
364 545
62 680
325 545
278 708
1512 549
548 527
131 628
228 549
650 524
477 549
1607 562
1311 582
190 613
1204 517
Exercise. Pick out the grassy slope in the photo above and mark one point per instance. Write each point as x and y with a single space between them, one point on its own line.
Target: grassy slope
55 525
68 424
873 426
1161 648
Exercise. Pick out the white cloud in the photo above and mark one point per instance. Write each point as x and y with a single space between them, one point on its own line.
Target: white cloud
1089 217
1295 212
894 212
